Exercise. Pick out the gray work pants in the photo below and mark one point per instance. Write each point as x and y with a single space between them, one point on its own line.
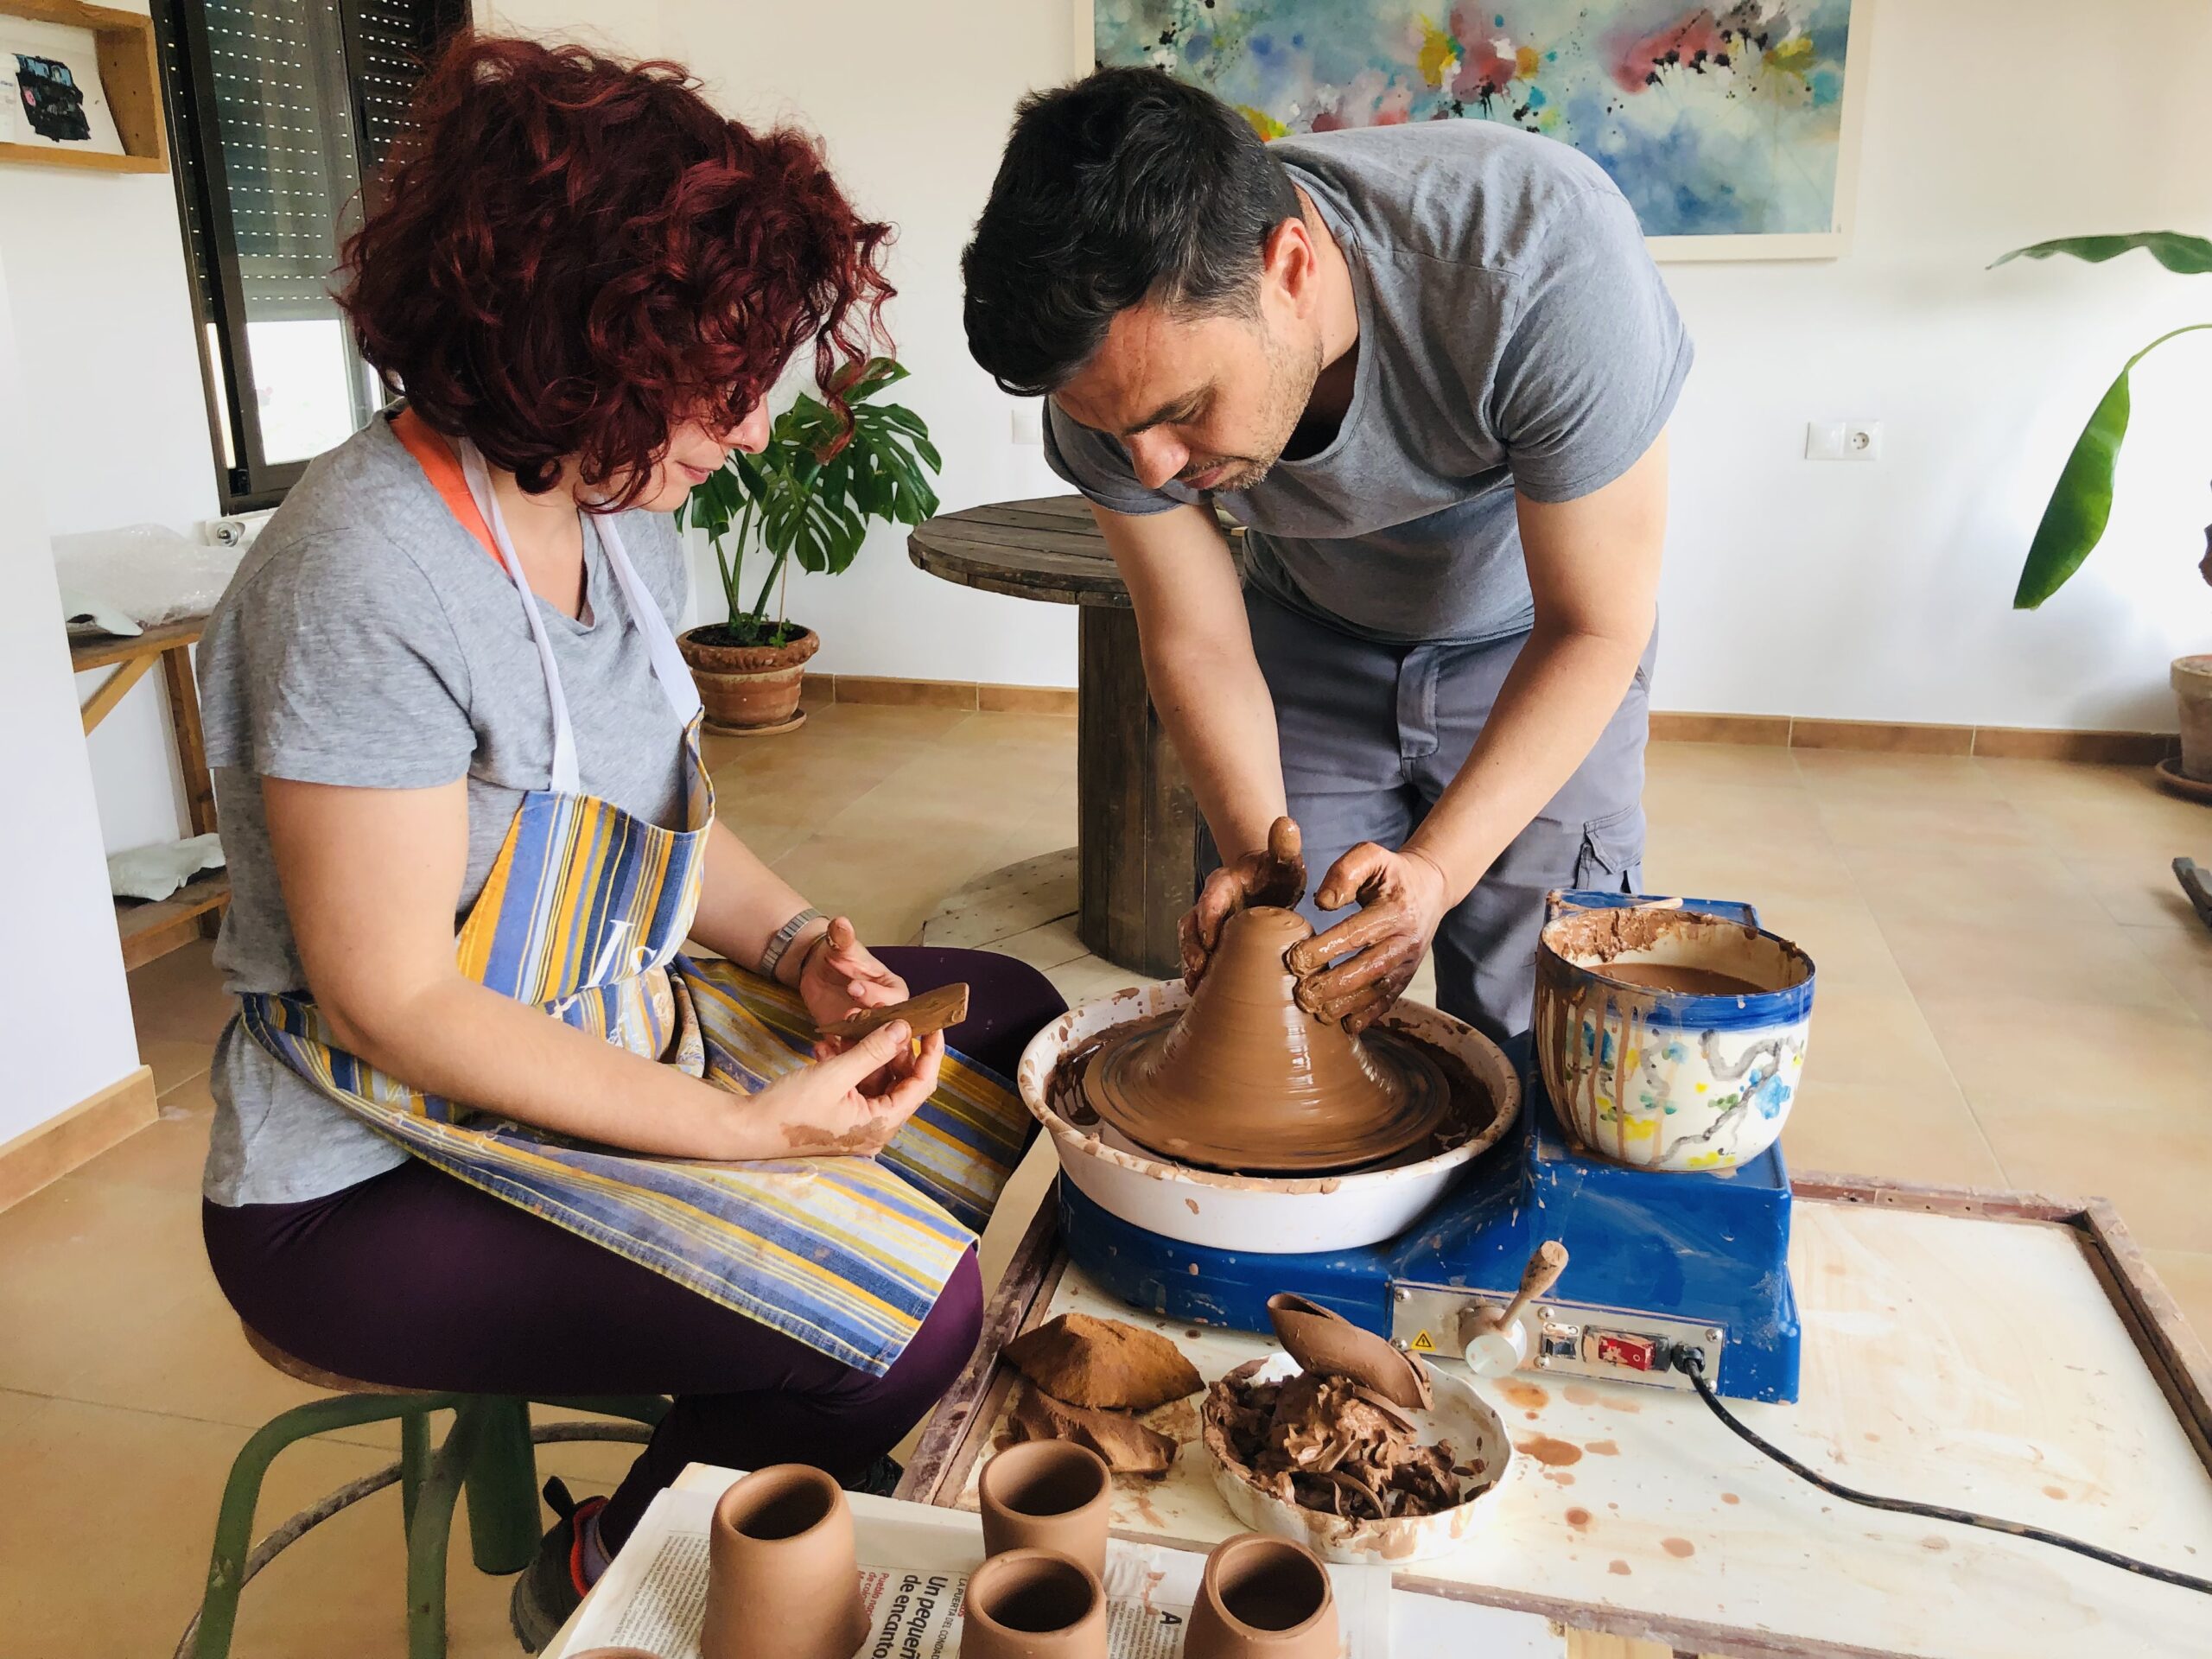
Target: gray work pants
1372 734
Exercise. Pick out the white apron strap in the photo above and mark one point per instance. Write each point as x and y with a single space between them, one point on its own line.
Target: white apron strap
565 778
668 666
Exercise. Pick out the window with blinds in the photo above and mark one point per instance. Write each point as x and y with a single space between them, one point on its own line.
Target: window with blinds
280 110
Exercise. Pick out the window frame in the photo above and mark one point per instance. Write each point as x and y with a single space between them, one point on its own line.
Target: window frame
246 480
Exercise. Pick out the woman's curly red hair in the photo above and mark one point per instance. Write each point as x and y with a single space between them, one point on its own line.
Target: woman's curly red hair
571 256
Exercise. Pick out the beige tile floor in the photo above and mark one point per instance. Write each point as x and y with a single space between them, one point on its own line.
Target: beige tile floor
2012 992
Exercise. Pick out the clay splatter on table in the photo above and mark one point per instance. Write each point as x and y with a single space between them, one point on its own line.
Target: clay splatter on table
1681 1549
1550 1451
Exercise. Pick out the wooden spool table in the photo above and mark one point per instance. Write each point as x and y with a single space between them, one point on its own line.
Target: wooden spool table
1137 825
1999 1352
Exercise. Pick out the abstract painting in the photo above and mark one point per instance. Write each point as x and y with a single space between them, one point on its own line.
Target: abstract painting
1726 126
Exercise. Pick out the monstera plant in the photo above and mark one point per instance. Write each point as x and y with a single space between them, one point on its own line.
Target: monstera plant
807 499
2081 503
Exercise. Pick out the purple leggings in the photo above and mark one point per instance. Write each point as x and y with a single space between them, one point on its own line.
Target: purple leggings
415 1279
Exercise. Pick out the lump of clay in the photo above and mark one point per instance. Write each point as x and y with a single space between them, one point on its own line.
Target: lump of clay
1127 1446
1326 1343
1328 1444
1102 1364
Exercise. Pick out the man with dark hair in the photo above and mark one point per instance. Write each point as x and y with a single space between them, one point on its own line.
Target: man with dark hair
1429 368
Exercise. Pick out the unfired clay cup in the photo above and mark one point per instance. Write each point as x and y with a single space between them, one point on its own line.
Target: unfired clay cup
1033 1604
1262 1598
783 1582
1048 1495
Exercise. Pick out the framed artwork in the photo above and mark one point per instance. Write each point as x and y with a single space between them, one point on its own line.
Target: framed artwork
1731 129
50 90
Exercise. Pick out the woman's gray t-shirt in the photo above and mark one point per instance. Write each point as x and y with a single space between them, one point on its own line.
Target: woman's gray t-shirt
369 641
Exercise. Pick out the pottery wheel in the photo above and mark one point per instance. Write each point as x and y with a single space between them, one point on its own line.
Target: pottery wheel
1305 1132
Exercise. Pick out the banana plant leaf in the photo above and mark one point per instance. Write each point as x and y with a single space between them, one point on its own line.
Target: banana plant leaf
2075 519
2189 256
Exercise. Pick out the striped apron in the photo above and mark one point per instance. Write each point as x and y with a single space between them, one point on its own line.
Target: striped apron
584 913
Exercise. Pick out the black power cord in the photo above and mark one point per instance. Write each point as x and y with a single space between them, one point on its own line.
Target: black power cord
1690 1360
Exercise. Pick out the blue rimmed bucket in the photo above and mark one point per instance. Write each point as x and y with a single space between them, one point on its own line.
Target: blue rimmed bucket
1679 1074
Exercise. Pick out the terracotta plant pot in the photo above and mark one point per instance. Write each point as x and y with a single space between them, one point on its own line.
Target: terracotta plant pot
1048 1495
782 1579
749 687
1262 1598
1032 1604
2192 683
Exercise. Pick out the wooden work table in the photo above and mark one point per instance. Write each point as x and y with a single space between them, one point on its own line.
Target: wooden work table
151 930
1996 1353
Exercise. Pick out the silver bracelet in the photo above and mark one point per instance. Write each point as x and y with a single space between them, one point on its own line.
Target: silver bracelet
781 941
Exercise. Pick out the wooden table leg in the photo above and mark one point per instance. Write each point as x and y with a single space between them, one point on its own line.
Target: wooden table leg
1137 823
191 756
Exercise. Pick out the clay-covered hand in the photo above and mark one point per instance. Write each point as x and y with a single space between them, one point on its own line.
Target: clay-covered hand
841 977
1402 897
855 1100
1275 875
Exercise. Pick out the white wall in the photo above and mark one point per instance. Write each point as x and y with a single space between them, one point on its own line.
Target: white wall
1878 591
118 433
65 1012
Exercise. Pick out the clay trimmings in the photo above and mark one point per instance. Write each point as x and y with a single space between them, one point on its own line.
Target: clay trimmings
1247 1080
1330 1443
1103 1363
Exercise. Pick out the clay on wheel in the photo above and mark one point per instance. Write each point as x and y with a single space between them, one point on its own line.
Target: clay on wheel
1247 1080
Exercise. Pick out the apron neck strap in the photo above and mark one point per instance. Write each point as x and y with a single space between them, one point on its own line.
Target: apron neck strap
465 484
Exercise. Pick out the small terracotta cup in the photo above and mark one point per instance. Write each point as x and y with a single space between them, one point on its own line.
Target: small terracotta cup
782 1579
1048 1495
1262 1598
1032 1604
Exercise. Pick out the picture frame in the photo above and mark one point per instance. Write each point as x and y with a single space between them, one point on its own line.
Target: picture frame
1830 243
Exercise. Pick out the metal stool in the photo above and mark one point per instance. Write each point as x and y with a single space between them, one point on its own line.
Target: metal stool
490 1450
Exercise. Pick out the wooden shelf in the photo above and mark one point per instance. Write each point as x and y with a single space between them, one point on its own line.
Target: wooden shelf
131 81
151 930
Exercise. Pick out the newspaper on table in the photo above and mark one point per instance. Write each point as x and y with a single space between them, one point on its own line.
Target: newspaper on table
914 1565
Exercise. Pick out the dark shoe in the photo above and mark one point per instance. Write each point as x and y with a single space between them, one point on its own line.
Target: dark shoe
880 1478
553 1584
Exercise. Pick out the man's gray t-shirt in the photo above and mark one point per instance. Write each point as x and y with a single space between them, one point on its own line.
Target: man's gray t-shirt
1513 335
369 641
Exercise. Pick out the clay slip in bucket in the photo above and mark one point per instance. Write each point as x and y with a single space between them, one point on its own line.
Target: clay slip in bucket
1048 1495
1032 1604
1263 1598
782 1580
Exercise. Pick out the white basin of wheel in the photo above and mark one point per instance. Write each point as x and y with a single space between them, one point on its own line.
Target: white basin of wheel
1263 1214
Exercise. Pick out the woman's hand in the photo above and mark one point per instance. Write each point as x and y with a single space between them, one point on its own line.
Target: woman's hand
853 1102
841 977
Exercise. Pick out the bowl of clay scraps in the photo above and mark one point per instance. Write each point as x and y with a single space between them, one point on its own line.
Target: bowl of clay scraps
1669 1039
1263 1214
1346 1470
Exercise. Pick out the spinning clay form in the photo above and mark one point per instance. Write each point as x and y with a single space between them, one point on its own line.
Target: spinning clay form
1263 1598
1247 1080
1032 1604
1328 1344
1048 1495
782 1579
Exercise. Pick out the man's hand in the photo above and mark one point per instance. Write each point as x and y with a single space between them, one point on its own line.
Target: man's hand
1402 897
1274 875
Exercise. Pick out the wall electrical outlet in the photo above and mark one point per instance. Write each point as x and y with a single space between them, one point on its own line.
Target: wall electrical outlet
1029 420
1843 440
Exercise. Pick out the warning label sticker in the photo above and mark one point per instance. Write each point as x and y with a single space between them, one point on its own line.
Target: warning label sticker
1421 1344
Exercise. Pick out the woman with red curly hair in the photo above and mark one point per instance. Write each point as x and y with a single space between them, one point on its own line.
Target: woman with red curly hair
482 1124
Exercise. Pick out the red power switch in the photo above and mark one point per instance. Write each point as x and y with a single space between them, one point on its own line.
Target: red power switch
1632 1353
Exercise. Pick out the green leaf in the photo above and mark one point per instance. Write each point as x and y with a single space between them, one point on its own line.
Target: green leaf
2080 505
2189 256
